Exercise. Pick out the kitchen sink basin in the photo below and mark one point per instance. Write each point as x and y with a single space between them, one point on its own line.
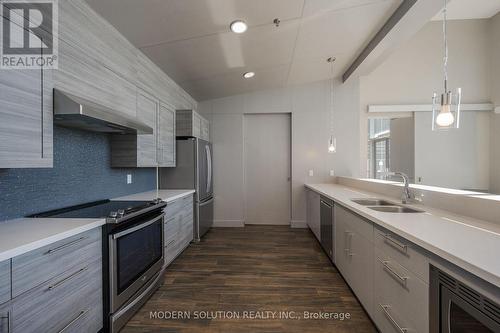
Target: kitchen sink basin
373 202
395 209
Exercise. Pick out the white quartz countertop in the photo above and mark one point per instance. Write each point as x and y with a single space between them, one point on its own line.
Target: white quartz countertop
27 234
23 235
165 195
471 244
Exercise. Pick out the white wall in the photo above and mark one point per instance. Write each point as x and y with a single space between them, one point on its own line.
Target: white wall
309 107
456 159
402 157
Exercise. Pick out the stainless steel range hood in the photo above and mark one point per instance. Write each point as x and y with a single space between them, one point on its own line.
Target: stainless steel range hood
76 112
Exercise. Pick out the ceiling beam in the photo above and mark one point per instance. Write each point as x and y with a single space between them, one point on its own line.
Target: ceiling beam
407 20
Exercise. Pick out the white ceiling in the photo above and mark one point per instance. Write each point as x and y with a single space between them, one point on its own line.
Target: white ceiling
190 39
471 9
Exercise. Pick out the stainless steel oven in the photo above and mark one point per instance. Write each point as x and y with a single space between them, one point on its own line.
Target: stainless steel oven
135 263
458 308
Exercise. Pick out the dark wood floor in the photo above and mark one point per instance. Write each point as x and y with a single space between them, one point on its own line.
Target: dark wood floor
256 268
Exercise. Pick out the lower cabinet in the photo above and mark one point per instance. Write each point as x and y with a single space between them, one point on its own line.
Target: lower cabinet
178 227
354 254
70 301
313 212
5 285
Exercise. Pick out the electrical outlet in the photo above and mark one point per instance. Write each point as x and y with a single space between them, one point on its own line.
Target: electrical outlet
311 173
497 110
129 178
332 173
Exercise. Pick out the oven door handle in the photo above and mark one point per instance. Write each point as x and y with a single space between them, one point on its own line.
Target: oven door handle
138 227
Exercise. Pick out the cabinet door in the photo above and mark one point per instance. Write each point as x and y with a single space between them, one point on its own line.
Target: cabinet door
196 125
26 117
205 129
342 241
166 136
6 318
313 212
147 110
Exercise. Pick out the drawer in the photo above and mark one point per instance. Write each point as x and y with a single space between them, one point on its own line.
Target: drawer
400 297
36 267
353 222
70 302
4 281
6 318
404 252
173 208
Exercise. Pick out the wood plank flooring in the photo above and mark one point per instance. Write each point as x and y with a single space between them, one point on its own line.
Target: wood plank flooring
256 268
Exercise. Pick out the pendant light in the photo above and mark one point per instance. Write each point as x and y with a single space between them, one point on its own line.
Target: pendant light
332 142
446 111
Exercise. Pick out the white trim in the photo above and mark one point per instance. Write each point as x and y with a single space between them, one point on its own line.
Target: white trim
229 223
425 108
298 224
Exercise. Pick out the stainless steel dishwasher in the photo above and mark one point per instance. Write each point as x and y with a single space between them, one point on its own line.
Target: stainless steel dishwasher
326 231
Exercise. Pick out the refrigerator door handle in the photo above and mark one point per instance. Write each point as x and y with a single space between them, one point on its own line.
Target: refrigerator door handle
204 203
209 168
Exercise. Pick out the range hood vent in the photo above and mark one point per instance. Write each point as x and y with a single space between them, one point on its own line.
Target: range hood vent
76 112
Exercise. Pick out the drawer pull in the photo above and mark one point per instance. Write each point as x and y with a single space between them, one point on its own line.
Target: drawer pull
66 279
391 270
9 322
348 242
62 247
74 320
394 243
385 308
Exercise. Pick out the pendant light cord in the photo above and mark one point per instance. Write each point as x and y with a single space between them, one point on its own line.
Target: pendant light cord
332 96
445 59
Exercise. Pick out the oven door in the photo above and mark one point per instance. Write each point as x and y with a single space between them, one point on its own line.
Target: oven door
461 317
135 257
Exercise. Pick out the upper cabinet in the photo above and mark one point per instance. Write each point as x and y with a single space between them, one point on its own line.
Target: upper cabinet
191 123
166 135
26 117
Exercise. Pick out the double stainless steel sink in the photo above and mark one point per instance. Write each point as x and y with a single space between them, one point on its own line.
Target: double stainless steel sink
385 206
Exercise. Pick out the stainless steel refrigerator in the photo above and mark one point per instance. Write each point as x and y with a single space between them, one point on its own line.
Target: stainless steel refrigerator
193 171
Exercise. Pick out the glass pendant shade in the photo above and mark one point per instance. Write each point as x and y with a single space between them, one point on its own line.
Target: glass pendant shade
332 145
446 110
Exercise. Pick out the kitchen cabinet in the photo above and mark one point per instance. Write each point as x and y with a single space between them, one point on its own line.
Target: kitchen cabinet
58 287
178 227
26 112
313 213
147 150
354 253
6 318
166 135
5 285
191 123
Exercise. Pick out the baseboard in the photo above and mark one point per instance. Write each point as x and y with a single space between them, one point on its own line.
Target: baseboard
229 223
298 224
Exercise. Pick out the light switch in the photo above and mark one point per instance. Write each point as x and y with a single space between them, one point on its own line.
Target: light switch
129 178
311 173
332 173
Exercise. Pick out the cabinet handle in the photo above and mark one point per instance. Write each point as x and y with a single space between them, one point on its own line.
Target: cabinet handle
385 308
74 320
348 241
9 321
391 270
396 244
62 247
66 279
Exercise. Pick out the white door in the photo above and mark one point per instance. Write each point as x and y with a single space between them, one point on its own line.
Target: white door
267 169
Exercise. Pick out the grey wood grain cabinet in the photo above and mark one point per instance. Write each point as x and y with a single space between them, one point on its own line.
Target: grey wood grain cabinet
69 300
191 123
36 267
26 118
5 284
6 318
147 150
178 227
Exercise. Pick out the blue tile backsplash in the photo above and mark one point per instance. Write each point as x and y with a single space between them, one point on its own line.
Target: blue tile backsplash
81 173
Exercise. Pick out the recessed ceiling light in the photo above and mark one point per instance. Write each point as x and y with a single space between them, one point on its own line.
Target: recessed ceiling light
249 75
238 26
